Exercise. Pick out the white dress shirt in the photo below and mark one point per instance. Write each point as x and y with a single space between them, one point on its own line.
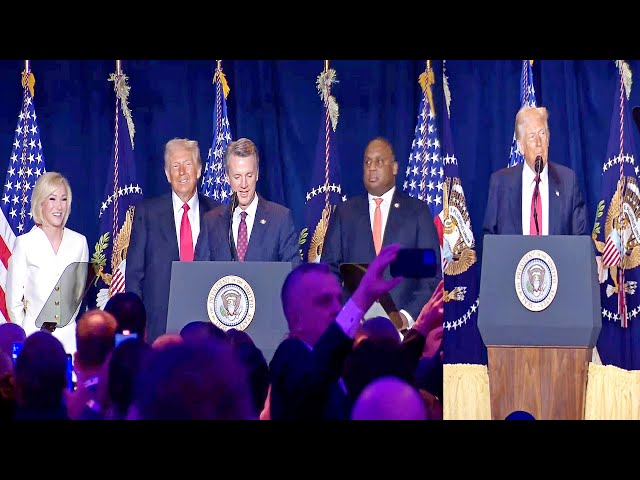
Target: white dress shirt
193 214
33 272
528 184
251 216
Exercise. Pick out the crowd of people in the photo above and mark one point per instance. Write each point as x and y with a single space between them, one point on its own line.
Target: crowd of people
336 362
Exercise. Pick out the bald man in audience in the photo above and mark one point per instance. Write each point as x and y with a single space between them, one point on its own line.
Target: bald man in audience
95 340
167 340
389 398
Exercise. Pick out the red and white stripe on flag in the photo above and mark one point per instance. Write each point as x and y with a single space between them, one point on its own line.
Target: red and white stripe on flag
7 240
611 253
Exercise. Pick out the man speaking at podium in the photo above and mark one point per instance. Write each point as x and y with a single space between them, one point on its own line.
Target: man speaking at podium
251 228
537 197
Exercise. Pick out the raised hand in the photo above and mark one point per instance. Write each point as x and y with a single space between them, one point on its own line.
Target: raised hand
373 283
432 314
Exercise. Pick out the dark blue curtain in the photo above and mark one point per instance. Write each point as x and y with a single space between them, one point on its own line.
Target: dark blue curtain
276 104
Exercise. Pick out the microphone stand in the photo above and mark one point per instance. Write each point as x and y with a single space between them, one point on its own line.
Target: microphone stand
536 189
230 233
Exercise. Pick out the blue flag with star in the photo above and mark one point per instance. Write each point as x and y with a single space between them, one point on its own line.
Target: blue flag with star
122 193
462 339
616 234
214 182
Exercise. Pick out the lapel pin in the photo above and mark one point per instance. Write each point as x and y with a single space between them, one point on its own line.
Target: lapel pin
263 221
396 205
557 193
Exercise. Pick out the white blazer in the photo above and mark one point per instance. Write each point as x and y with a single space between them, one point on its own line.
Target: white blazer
32 274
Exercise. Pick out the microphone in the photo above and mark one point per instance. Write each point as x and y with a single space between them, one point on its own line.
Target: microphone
233 202
538 168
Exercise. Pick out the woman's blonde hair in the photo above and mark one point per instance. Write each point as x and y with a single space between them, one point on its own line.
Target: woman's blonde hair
45 185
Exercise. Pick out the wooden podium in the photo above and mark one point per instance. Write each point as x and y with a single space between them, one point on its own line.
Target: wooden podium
548 382
539 347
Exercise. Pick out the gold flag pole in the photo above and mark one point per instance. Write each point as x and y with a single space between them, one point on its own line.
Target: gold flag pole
118 67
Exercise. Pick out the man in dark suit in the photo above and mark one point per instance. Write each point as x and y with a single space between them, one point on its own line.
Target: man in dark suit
560 206
260 230
164 230
358 228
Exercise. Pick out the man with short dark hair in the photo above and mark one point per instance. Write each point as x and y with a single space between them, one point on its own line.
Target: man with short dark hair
361 226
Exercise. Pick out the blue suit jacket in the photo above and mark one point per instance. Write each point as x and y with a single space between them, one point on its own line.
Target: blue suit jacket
567 209
349 239
152 248
273 236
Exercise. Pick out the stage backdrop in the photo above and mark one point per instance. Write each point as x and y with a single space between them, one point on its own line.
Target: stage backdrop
276 104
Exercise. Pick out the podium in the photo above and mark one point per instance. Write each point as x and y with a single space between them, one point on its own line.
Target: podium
66 297
539 317
240 295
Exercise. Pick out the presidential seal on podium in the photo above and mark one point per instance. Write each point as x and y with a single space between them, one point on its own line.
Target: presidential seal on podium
231 303
536 280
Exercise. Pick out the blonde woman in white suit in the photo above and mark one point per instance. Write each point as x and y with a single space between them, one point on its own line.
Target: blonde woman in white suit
39 258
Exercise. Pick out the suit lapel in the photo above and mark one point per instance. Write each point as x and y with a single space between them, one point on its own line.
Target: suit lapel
168 228
516 197
554 200
394 219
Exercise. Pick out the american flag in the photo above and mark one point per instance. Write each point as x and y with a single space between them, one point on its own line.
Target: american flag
26 164
527 98
214 181
121 195
325 190
617 236
424 177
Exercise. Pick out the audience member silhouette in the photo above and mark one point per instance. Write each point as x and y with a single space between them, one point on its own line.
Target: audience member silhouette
193 381
389 398
257 367
201 330
10 333
41 378
124 367
129 310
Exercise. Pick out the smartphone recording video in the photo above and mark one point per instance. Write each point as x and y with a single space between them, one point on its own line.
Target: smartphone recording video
15 351
126 335
414 263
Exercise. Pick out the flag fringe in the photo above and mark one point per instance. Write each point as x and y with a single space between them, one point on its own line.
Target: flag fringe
445 87
122 90
426 80
28 79
223 80
324 82
625 72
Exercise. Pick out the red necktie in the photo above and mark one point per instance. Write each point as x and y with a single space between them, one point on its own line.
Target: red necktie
243 237
532 221
377 226
186 240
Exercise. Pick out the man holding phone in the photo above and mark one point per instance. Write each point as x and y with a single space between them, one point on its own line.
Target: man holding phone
361 226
